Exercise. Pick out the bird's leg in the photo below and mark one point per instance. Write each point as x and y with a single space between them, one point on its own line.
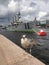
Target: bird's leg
30 50
26 49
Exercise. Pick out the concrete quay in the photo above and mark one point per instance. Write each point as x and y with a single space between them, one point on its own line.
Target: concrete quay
11 54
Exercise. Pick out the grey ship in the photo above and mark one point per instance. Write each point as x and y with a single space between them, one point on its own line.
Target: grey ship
18 24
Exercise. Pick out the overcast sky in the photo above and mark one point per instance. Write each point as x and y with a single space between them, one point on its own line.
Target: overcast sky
29 8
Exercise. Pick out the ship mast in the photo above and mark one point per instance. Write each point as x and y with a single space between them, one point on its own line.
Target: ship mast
19 14
17 17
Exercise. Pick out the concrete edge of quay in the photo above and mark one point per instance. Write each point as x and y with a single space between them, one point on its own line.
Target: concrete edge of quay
11 54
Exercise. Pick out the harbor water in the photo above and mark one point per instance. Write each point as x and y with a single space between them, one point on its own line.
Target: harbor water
40 50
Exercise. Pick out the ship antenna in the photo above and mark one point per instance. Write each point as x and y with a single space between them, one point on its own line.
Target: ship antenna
19 14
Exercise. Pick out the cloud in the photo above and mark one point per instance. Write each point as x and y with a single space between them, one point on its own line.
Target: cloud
28 18
12 6
33 4
3 10
28 8
41 14
46 1
4 2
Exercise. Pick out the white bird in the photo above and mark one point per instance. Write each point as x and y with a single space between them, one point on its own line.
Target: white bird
27 43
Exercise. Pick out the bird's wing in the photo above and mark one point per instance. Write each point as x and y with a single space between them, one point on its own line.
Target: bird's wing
31 40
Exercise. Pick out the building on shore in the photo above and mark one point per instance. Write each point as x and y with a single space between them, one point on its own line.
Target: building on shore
47 23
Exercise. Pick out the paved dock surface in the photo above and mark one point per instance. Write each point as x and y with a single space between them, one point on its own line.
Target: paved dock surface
11 54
